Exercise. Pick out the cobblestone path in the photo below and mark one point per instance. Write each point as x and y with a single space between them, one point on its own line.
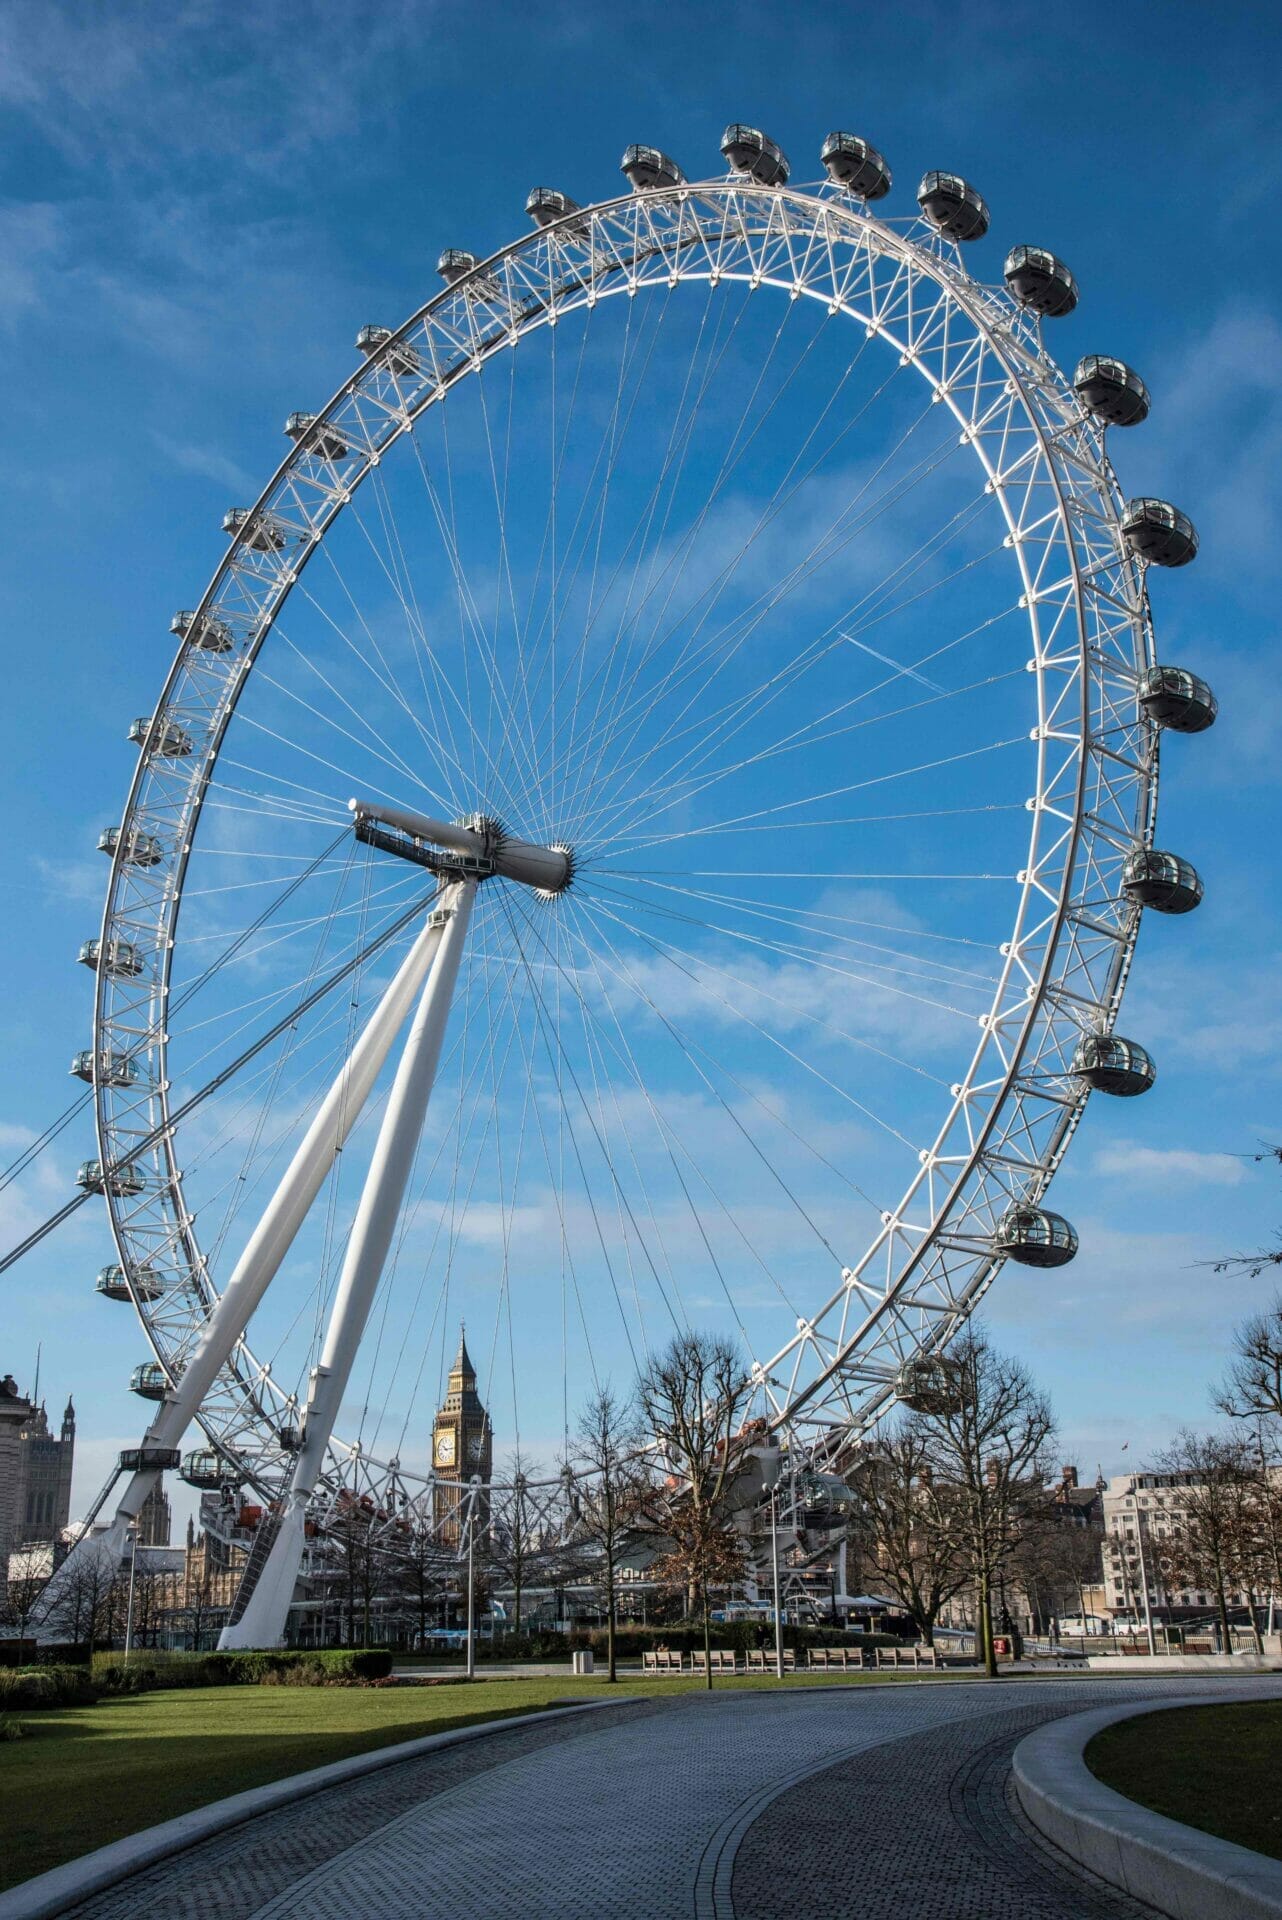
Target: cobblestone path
889 1803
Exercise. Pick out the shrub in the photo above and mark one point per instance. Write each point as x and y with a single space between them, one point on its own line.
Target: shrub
148 1670
10 1729
151 1669
24 1687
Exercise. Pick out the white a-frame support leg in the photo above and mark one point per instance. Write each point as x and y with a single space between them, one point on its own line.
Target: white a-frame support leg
269 1242
262 1622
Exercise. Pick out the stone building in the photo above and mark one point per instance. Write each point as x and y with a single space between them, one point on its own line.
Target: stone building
462 1446
45 1466
15 1411
155 1519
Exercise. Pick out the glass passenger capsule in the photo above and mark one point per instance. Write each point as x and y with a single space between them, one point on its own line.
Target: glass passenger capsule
161 736
1176 698
753 152
141 849
1111 390
149 1381
1040 281
257 530
933 1385
1159 533
112 1284
1110 1064
207 633
120 959
401 360
203 1468
1034 1238
113 1069
325 441
149 1459
454 263
856 166
1162 881
125 1179
953 206
646 167
546 206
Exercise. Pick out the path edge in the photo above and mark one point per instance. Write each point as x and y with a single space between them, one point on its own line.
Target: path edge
1179 1870
51 1894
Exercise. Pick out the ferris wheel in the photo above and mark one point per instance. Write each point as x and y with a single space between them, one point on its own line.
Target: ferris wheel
688 705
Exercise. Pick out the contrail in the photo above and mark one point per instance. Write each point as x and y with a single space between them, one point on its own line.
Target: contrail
886 661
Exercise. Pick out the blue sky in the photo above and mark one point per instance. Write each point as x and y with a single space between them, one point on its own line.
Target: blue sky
198 209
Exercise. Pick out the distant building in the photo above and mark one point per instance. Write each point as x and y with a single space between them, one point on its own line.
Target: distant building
462 1445
1142 1513
15 1411
45 1466
155 1519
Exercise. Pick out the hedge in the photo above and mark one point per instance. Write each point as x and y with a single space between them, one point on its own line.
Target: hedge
24 1687
148 1671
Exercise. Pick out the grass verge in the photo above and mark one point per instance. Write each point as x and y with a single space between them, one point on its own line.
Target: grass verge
1213 1767
83 1776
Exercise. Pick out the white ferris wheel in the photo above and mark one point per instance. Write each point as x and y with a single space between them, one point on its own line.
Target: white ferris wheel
688 704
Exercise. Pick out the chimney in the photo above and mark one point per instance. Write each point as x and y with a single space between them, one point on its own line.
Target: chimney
1068 1476
993 1472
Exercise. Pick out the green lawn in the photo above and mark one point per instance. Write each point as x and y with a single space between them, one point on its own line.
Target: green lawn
1214 1767
82 1776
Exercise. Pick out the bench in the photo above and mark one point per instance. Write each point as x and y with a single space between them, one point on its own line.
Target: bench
722 1661
661 1662
842 1657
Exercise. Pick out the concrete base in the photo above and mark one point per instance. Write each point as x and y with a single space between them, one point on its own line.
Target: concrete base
1190 1663
1183 1873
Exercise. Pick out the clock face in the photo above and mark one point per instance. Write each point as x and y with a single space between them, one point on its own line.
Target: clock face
476 1446
445 1449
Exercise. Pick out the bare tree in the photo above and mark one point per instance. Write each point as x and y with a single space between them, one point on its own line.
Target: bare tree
91 1599
987 1443
692 1398
29 1569
909 1527
1252 1388
515 1533
417 1568
1254 1264
610 1493
354 1550
1218 1542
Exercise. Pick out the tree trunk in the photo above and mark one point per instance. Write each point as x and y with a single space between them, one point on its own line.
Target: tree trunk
612 1672
986 1623
1222 1608
707 1639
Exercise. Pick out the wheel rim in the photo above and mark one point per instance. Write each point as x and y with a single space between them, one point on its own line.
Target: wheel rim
1015 1109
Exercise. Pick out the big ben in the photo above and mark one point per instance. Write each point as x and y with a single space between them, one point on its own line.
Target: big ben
462 1442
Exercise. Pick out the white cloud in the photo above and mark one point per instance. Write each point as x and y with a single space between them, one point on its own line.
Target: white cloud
1159 1165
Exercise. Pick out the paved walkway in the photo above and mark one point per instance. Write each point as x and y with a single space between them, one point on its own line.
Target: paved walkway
886 1803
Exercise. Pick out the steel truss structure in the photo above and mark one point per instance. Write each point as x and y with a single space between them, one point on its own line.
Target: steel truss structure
1064 966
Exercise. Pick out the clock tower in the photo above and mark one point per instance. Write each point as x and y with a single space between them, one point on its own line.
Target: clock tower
462 1444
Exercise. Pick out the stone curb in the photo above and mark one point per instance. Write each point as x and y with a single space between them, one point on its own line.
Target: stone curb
1181 1871
51 1894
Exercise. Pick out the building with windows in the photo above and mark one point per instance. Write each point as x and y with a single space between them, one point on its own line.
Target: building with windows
45 1466
155 1519
462 1446
1144 1515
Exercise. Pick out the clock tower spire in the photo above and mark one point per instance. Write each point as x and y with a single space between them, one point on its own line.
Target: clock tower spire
462 1441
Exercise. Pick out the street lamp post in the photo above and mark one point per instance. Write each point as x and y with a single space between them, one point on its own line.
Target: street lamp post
471 1583
774 1557
133 1581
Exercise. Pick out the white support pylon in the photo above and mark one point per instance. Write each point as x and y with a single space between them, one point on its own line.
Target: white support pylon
268 1244
262 1623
